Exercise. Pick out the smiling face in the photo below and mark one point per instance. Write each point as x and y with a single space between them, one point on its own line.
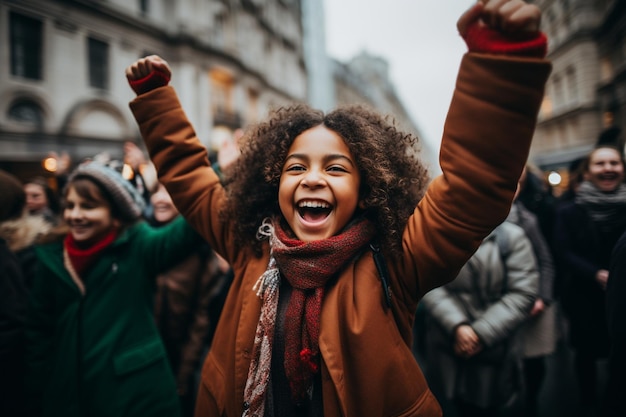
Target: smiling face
164 209
319 185
36 199
606 169
88 218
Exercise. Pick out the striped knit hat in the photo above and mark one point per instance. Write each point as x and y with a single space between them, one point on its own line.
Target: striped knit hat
126 198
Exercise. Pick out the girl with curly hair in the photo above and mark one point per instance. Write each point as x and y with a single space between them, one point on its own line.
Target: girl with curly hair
315 199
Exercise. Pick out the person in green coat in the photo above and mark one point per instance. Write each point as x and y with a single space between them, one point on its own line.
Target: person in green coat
92 345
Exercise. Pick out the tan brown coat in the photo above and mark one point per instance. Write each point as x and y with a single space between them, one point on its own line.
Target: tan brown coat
367 365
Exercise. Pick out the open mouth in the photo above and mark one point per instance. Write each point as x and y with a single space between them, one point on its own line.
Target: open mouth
314 211
608 176
608 179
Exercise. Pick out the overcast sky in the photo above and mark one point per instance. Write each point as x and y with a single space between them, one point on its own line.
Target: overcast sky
419 40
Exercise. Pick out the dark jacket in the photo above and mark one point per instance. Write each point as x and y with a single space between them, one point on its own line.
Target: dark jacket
99 352
13 301
616 318
185 294
581 251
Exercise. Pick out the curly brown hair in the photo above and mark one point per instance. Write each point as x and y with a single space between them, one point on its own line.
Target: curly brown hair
393 178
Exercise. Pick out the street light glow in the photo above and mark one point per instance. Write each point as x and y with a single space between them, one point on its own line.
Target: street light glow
554 178
50 164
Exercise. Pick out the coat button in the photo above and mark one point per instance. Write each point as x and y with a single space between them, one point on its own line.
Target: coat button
114 268
246 405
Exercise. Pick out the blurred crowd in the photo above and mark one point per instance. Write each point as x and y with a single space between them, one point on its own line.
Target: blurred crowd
549 281
551 274
157 287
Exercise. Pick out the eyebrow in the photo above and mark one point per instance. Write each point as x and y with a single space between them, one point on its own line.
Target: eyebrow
326 158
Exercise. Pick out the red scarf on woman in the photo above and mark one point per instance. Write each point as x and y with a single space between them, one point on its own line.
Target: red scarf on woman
83 259
307 266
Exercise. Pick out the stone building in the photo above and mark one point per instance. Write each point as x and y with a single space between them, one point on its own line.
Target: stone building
63 88
586 92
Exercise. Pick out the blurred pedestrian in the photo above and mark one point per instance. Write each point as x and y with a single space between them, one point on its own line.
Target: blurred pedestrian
536 195
587 230
473 350
42 200
613 405
92 345
18 233
141 172
185 295
538 335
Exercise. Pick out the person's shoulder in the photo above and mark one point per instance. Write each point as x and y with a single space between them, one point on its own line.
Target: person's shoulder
133 231
48 250
509 229
511 237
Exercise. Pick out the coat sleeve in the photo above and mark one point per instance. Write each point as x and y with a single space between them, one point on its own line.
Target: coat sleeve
445 309
485 145
182 163
165 246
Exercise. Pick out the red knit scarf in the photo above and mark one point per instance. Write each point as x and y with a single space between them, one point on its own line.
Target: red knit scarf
83 259
307 266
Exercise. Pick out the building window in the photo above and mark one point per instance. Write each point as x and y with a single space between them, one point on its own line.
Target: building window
26 112
222 85
144 7
606 69
98 63
253 106
26 46
572 85
558 91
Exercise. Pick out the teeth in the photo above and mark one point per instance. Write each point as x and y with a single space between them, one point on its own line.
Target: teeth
314 204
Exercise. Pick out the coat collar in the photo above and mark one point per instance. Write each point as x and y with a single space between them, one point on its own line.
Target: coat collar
52 256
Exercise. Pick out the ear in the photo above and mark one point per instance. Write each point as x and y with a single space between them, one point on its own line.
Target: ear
361 204
116 223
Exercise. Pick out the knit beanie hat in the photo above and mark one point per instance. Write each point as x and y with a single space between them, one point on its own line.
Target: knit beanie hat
126 198
12 197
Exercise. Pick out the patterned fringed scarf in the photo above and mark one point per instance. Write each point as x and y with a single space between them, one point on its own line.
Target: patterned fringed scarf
307 266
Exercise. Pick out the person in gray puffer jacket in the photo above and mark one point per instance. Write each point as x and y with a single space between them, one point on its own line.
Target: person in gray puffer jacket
471 346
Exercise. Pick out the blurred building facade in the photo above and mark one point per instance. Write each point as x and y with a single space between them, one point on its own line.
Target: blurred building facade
586 92
63 87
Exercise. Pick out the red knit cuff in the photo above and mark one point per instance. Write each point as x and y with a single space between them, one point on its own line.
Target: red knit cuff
481 39
151 81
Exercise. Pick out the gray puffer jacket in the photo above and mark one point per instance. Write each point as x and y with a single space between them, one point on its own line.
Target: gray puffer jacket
480 297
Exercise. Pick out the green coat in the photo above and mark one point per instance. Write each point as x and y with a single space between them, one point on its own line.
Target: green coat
99 353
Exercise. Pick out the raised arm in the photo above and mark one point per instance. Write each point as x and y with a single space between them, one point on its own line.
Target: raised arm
485 143
180 159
